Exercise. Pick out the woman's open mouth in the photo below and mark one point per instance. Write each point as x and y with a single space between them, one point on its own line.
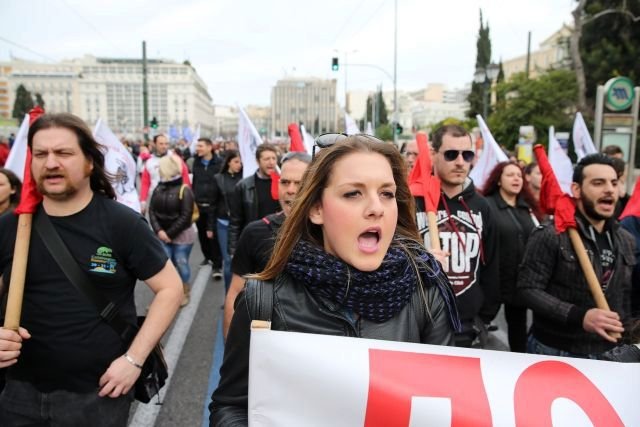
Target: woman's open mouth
368 241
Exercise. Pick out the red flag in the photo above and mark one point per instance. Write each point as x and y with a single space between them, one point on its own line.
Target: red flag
633 205
30 198
296 138
421 182
552 199
275 180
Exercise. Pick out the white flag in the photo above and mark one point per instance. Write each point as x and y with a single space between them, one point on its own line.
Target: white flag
194 140
370 129
119 163
248 141
350 125
582 141
560 163
491 155
307 139
18 154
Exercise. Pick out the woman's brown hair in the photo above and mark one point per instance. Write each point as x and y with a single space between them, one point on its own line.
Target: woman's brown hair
298 226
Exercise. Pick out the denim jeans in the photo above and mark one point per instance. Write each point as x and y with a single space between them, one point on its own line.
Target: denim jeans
536 347
179 255
21 404
223 238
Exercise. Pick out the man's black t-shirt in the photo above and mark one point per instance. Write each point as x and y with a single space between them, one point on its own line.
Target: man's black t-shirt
70 346
266 204
256 244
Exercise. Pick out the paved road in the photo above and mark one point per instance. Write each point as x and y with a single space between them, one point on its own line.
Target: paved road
193 347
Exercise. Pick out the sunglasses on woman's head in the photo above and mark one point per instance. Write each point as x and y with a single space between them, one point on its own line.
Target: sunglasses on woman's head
451 155
328 139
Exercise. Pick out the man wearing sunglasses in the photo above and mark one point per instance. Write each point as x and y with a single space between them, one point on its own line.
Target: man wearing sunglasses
466 230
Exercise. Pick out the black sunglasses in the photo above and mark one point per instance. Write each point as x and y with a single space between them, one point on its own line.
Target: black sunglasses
327 140
451 155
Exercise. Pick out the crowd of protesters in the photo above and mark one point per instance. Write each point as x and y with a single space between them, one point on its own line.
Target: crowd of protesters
341 242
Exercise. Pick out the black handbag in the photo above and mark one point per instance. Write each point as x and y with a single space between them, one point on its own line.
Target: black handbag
154 370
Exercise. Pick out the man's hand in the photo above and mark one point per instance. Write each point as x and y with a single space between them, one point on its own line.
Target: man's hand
143 208
119 378
209 234
602 322
10 345
162 235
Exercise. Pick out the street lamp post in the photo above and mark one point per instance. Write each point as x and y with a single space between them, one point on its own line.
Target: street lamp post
486 78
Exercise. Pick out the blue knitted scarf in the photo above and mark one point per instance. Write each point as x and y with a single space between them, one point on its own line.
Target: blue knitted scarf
376 295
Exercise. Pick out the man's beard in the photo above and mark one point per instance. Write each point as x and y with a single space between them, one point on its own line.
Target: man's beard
589 207
69 189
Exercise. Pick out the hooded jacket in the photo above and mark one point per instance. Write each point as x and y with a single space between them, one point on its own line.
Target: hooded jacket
467 231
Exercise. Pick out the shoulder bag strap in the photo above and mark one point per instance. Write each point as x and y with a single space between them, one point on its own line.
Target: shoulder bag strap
107 309
259 297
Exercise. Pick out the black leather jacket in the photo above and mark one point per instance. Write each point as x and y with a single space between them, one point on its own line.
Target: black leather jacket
295 309
167 211
243 206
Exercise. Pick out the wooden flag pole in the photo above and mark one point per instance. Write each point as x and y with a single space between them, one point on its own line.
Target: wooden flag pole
18 272
433 230
589 274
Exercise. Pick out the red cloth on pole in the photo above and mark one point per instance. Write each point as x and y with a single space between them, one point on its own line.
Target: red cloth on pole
296 138
553 200
30 198
633 205
275 180
421 181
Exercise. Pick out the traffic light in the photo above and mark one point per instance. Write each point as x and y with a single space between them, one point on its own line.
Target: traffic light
398 129
334 64
154 123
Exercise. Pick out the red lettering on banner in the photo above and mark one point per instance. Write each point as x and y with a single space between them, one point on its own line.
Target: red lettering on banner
540 384
395 377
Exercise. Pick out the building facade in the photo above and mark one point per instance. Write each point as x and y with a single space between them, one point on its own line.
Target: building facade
111 89
553 53
311 101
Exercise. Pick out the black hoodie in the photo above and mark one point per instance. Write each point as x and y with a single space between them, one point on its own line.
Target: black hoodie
468 233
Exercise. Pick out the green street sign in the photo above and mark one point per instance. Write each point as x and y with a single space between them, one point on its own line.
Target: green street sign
618 93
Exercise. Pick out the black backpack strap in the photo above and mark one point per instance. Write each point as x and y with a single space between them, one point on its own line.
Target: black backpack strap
107 309
259 297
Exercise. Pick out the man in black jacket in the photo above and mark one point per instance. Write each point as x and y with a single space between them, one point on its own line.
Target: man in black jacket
566 321
252 198
205 166
467 233
257 239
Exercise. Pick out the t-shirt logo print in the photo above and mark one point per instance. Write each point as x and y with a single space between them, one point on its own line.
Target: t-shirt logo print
464 246
102 262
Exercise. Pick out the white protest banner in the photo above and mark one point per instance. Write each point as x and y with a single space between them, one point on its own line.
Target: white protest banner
248 141
491 155
119 163
320 380
307 139
350 126
582 142
18 154
560 163
370 129
194 140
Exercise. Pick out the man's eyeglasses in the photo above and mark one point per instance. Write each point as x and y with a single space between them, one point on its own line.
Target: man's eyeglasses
451 155
410 153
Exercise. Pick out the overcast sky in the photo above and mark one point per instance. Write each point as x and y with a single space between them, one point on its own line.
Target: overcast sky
242 47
